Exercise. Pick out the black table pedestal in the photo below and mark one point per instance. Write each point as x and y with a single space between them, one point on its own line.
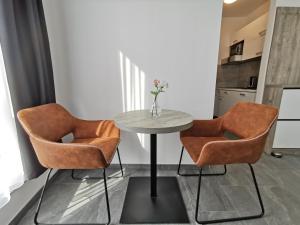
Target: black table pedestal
140 207
153 153
154 200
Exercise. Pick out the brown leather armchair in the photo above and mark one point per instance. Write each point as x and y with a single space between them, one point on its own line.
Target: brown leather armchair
93 147
248 125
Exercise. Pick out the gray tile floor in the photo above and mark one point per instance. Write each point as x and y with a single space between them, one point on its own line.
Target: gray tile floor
73 201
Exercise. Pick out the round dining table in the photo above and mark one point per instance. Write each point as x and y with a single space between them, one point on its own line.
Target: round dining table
153 199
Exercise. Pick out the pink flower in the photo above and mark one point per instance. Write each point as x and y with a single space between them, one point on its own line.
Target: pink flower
156 82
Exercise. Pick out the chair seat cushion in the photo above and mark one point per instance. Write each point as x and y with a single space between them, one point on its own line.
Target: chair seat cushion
108 146
194 145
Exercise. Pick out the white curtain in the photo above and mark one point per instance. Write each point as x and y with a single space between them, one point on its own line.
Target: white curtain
11 169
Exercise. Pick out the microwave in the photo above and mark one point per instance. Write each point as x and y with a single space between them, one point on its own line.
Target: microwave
237 49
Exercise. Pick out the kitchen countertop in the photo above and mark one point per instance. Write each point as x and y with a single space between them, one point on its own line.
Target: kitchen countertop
284 86
237 89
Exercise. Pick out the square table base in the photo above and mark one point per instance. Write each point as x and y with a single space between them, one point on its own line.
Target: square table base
140 207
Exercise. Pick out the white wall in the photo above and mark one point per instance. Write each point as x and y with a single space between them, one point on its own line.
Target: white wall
106 53
268 41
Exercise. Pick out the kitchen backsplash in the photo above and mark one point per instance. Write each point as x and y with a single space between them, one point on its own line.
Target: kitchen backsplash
237 75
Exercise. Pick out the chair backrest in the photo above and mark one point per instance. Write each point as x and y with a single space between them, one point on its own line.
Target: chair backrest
50 121
247 120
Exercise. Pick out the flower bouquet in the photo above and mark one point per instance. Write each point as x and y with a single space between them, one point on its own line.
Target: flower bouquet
158 88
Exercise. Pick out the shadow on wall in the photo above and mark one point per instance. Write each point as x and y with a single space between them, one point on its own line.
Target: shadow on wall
133 88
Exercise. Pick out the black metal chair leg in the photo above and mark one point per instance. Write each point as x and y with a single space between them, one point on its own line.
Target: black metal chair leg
106 196
77 178
96 178
194 175
121 167
234 218
179 164
41 199
257 191
198 195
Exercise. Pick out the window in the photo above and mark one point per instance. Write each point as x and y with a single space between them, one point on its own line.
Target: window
11 169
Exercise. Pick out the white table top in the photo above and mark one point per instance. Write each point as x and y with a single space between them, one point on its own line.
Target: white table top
141 121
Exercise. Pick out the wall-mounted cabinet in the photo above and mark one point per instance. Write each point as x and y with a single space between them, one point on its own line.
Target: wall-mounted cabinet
253 35
251 31
253 48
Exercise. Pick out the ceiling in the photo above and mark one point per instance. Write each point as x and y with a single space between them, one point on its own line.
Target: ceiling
241 8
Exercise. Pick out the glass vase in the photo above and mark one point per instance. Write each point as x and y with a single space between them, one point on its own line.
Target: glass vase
155 108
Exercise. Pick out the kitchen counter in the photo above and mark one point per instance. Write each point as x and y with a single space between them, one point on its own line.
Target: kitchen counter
284 86
237 89
227 97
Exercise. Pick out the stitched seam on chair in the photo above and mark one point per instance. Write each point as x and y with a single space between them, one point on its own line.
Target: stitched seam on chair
105 140
240 140
71 145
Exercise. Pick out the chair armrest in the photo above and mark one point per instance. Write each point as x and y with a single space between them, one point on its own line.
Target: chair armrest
232 151
68 155
204 128
96 128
